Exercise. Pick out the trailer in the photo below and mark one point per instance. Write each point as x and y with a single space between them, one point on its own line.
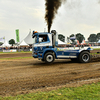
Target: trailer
46 48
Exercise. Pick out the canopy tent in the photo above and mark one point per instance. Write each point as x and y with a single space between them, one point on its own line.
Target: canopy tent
99 41
83 42
23 43
60 42
29 39
6 44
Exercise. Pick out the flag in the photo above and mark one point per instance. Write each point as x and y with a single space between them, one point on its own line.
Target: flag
17 35
2 39
73 38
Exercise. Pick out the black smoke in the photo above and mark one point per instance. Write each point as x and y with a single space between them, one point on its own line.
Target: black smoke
51 9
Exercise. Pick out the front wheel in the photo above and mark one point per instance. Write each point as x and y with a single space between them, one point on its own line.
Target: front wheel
49 57
84 57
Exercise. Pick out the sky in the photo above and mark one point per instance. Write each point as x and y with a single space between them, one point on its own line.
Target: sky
74 16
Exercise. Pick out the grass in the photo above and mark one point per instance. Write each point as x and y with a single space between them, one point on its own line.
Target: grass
95 53
15 52
85 92
96 48
15 58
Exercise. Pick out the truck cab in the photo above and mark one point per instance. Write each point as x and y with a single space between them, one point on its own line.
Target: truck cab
45 48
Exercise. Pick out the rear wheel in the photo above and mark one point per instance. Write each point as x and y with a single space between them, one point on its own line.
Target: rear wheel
49 57
84 57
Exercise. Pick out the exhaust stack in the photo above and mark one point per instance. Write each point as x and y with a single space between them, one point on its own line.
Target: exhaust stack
54 38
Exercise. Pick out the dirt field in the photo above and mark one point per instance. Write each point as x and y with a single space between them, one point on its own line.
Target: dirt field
20 76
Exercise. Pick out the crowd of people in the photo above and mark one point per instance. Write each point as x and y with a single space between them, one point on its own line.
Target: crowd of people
24 48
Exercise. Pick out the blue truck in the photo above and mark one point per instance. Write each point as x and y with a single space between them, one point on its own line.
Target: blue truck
46 48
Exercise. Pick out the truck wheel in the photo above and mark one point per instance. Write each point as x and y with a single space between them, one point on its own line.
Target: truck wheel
49 57
84 57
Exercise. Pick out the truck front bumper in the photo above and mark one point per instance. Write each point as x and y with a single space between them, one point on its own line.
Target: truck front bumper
37 55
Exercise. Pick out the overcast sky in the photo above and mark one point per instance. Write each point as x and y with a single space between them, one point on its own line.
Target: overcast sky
74 16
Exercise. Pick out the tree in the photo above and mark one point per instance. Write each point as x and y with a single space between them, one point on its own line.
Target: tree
92 38
1 43
12 41
98 36
61 37
80 37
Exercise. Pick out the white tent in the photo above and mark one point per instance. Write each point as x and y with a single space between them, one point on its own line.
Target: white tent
99 41
23 43
6 44
60 42
29 39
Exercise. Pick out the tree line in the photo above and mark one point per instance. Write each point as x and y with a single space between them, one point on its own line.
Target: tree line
11 41
80 37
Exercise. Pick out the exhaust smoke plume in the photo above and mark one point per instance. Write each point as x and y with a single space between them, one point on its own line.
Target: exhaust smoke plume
52 7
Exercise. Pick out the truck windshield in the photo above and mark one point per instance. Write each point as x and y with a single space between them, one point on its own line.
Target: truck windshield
42 38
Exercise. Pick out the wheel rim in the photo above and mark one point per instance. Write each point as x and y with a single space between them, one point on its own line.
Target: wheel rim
49 58
85 57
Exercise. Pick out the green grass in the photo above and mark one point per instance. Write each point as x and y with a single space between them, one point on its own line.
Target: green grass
95 53
15 52
96 48
85 92
15 58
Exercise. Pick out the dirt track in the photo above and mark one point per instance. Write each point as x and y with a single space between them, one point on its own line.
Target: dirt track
26 75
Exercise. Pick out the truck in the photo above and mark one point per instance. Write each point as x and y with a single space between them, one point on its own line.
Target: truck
45 47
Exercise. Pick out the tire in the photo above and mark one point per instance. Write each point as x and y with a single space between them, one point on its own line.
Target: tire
84 57
49 57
